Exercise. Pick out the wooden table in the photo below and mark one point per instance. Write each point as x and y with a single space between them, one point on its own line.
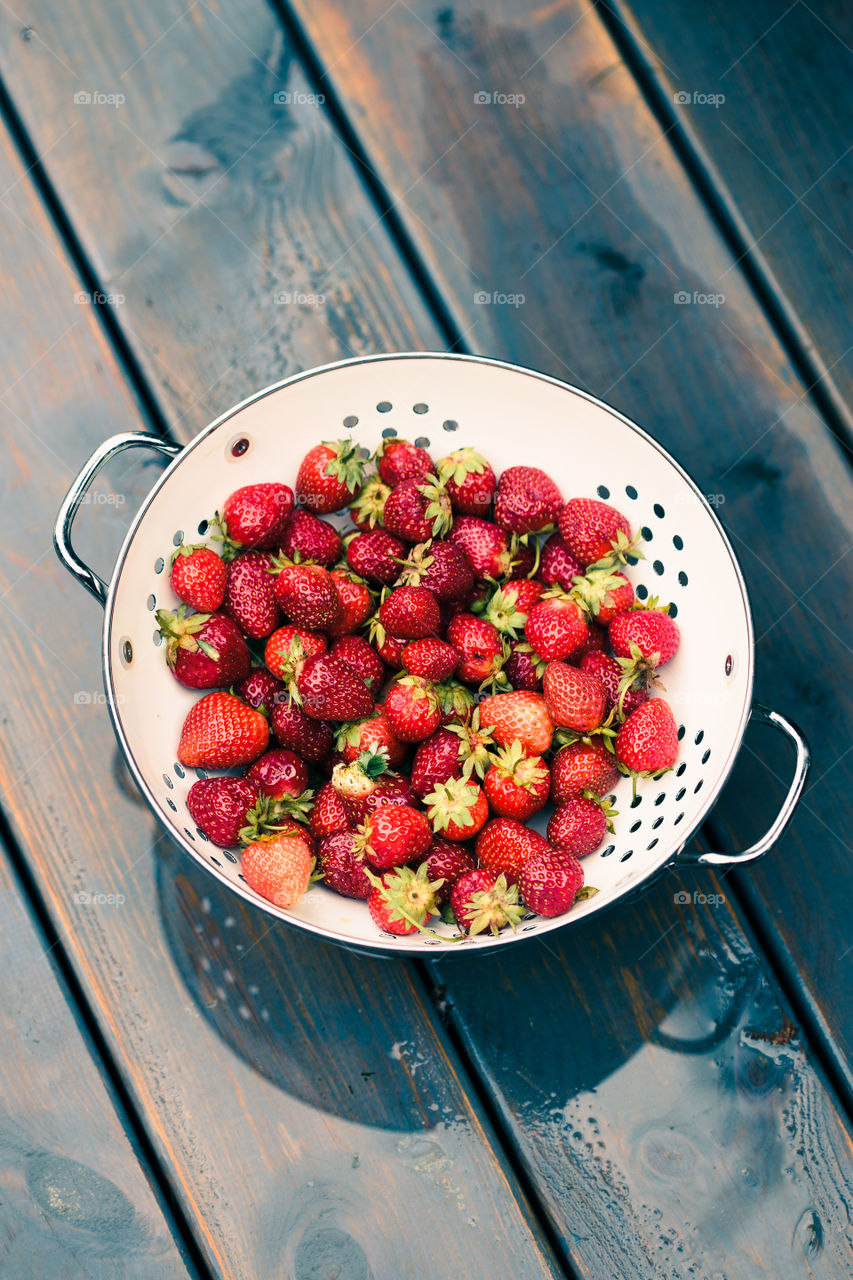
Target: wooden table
187 1091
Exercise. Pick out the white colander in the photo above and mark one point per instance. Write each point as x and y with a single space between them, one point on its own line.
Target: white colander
514 416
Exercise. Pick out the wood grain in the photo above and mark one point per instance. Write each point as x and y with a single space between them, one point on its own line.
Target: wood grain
575 200
323 1084
779 141
76 1197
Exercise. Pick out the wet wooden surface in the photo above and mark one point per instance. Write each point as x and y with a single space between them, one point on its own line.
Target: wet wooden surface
642 1081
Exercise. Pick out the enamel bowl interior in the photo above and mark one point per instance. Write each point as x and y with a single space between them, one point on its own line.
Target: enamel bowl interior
513 416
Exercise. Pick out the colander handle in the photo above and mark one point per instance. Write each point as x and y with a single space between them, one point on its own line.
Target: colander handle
785 814
77 492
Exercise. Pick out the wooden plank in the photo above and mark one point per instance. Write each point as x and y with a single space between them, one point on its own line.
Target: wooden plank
285 1085
764 96
575 200
77 1200
628 1022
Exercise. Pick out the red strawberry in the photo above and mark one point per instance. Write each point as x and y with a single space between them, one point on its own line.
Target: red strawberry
307 538
602 594
412 709
220 731
311 739
218 806
447 862
329 476
376 556
390 650
259 690
457 809
593 531
431 658
203 650
278 867
198 577
393 835
485 546
255 516
371 735
480 901
398 460
280 773
417 510
362 658
647 743
366 785
611 674
596 642
509 606
331 690
249 595
402 901
480 646
410 613
556 626
527 500
504 845
517 784
581 767
308 596
354 600
288 647
580 824
557 565
437 759
470 481
328 816
440 567
575 700
523 668
520 715
366 511
342 867
550 881
653 631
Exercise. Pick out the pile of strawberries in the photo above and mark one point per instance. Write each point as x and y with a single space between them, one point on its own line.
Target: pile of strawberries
403 697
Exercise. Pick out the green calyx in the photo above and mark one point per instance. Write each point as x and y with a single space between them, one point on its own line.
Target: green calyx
180 630
415 566
230 548
369 506
638 672
438 510
504 614
494 908
624 550
349 733
538 664
497 681
186 549
409 894
474 743
347 464
528 772
592 590
460 464
455 699
373 763
451 803
604 805
269 817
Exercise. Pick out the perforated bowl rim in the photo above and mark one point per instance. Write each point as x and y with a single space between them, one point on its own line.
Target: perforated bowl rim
416 944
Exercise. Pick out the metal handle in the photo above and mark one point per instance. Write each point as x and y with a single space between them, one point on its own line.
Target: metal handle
75 495
789 804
